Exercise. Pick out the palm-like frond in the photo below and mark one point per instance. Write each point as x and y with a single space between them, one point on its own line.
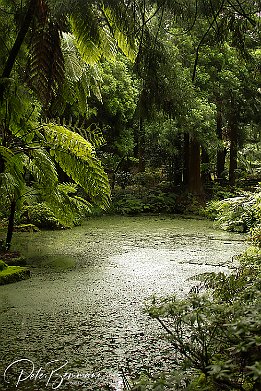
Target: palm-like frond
42 169
81 79
66 205
62 199
91 133
101 28
11 179
74 65
77 158
47 62
121 33
92 40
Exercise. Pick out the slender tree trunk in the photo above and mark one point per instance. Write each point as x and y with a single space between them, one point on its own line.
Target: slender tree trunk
233 135
233 153
141 146
194 183
8 67
14 53
186 152
178 162
221 152
10 228
17 45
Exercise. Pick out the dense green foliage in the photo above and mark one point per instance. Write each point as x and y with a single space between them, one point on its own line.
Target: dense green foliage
238 214
159 85
215 333
40 215
160 101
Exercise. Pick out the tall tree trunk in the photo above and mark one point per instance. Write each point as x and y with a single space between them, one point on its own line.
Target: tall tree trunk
233 152
221 152
233 135
178 161
205 170
194 183
10 228
186 153
141 146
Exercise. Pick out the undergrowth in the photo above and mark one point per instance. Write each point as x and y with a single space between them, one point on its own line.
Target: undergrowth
215 332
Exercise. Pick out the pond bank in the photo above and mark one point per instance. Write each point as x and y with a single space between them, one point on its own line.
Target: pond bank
83 304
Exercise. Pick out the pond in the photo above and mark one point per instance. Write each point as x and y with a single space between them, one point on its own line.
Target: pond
79 321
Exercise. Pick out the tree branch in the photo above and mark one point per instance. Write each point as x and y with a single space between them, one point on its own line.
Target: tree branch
214 20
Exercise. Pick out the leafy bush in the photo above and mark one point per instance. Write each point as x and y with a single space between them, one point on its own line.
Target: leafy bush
129 204
138 200
149 178
39 215
215 334
3 265
238 214
256 235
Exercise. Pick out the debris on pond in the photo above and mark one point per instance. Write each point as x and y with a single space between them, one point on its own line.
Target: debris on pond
89 313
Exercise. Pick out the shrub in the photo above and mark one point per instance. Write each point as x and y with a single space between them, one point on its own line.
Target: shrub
215 334
238 214
129 204
3 265
138 200
256 235
149 178
39 215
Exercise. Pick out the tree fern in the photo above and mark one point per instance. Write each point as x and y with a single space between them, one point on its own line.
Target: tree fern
76 156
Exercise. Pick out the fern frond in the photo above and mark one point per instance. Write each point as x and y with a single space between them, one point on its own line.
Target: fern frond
81 78
120 32
47 62
93 37
77 158
94 80
43 170
93 134
74 65
65 205
12 179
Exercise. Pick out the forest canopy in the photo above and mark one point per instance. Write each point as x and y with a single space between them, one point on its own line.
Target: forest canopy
93 95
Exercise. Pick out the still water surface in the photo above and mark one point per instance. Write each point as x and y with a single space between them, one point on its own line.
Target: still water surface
79 320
